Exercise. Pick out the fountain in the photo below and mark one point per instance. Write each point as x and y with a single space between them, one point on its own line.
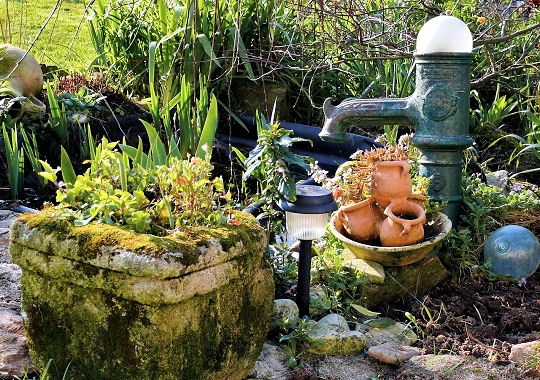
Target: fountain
438 110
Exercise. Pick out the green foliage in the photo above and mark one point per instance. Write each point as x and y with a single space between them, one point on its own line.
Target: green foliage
483 211
32 154
493 116
269 162
284 266
81 105
124 190
528 144
177 39
297 338
58 118
15 161
340 284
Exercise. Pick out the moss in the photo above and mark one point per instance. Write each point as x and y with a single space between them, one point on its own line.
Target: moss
87 318
101 336
93 236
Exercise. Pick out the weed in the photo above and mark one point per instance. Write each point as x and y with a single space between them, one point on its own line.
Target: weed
532 362
297 339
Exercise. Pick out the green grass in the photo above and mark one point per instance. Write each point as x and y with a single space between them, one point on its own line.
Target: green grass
59 28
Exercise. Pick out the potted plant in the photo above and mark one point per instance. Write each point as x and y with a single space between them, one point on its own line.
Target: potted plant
143 271
380 213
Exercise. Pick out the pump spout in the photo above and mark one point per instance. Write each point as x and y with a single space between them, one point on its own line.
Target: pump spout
365 112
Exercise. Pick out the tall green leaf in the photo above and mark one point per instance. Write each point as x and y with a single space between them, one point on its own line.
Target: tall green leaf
15 161
68 174
206 139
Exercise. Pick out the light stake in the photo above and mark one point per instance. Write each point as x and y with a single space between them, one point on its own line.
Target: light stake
306 220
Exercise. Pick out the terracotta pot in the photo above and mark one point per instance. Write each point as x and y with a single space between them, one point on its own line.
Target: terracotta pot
419 199
404 224
391 181
438 228
361 220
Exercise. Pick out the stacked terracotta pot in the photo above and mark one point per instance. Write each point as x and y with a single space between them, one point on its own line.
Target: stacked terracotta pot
392 214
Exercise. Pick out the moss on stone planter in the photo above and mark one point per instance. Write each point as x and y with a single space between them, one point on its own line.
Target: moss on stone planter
109 303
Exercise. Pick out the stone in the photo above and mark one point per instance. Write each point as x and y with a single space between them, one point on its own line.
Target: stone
373 271
526 353
413 279
331 339
14 356
498 179
383 330
455 367
284 310
392 352
319 300
334 320
107 311
272 364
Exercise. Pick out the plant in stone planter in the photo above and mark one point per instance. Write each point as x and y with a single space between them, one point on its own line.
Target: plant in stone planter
134 273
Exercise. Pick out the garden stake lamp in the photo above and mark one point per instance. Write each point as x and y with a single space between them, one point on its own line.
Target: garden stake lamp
306 220
438 109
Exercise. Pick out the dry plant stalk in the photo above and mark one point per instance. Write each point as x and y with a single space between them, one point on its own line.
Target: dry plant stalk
356 175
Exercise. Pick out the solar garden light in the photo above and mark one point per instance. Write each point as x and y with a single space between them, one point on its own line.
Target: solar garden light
306 220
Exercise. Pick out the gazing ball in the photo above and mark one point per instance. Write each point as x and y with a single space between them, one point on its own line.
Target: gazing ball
513 251
444 34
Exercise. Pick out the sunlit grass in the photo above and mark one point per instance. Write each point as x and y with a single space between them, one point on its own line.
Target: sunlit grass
58 27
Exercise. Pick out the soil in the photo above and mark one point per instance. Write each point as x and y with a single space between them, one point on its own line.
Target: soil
474 316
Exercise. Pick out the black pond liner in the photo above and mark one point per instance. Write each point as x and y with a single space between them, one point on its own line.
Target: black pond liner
329 155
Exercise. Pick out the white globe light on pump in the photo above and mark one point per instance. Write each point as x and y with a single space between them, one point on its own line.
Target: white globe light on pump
444 34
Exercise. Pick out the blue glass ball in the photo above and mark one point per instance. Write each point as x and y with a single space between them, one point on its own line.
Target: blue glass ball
513 251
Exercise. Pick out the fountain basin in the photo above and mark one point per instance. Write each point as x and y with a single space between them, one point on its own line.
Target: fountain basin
437 227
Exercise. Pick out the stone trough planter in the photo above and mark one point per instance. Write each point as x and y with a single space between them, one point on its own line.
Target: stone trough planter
106 303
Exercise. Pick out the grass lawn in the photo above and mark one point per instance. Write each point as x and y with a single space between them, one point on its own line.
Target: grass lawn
58 26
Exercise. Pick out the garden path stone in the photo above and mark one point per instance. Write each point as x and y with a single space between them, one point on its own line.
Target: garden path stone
14 356
392 352
523 353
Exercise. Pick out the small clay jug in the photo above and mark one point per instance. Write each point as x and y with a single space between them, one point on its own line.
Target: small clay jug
391 182
404 224
361 220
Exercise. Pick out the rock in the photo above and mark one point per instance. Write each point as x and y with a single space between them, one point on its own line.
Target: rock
414 279
455 367
334 320
272 364
319 300
526 355
284 309
498 179
14 357
383 330
373 271
332 338
392 352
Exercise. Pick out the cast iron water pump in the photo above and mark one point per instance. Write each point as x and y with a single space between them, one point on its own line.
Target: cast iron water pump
438 110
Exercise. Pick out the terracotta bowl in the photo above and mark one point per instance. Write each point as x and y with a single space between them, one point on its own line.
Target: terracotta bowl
436 228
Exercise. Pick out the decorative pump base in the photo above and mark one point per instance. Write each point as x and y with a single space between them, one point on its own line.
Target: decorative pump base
105 303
